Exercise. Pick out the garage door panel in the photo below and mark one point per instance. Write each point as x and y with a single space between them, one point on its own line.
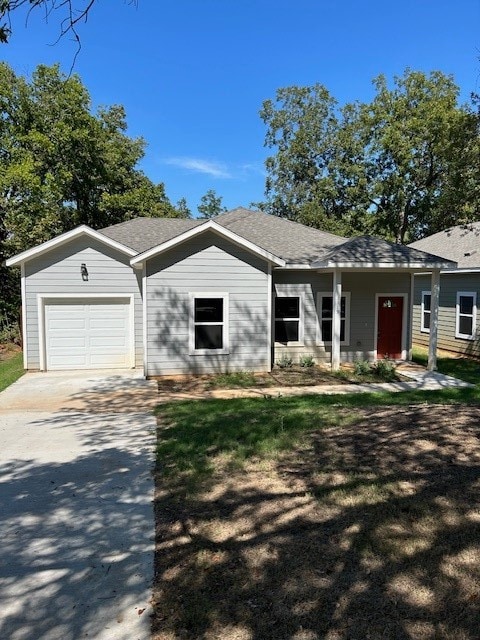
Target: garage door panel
94 334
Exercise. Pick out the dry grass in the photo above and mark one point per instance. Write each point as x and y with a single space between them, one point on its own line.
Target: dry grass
365 530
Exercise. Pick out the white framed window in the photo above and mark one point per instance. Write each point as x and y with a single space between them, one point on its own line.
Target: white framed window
325 317
426 311
288 320
208 327
466 315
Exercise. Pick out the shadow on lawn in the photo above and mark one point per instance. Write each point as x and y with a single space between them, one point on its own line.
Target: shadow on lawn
369 529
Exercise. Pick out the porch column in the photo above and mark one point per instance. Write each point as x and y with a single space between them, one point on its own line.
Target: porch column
434 301
336 318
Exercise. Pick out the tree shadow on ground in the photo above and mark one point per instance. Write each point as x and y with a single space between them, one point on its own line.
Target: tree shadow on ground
367 530
76 527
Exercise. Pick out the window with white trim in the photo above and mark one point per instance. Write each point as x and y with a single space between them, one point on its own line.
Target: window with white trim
325 317
466 315
288 325
426 311
208 323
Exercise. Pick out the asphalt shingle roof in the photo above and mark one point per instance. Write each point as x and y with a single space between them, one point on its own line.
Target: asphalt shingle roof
460 244
368 249
295 243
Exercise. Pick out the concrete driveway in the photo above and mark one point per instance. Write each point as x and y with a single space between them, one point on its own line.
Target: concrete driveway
76 512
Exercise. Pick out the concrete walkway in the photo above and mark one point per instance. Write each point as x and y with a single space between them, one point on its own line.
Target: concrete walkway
76 516
420 380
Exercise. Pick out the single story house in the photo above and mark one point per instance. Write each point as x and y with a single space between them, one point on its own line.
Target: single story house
458 320
236 292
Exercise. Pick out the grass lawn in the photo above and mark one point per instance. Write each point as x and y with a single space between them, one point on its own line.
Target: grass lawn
320 517
11 368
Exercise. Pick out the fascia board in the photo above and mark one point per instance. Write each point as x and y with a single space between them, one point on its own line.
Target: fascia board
210 225
45 247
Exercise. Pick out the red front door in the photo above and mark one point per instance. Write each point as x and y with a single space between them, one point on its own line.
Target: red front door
390 317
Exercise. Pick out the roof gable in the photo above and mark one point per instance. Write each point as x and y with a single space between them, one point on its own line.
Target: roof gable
208 225
64 238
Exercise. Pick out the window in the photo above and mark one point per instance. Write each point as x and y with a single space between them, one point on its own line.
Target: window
466 315
209 323
426 311
325 318
287 319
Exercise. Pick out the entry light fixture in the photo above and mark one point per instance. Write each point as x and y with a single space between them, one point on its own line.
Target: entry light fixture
84 272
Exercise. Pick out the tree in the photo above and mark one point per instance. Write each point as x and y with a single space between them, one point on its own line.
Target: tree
62 165
392 167
210 205
182 208
71 14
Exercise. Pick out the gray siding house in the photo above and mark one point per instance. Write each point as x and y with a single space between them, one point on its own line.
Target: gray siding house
236 292
458 320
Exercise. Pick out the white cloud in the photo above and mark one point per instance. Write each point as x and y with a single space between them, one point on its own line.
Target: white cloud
211 168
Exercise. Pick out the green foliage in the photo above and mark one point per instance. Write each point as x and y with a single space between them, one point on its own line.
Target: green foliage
285 362
9 331
62 165
391 167
306 361
210 205
362 367
10 370
236 379
385 369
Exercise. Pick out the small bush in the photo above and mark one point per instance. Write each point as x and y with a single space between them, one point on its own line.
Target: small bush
385 369
285 362
362 367
10 332
307 361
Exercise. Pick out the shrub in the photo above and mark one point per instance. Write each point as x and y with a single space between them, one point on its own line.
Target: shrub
306 361
385 369
285 362
362 367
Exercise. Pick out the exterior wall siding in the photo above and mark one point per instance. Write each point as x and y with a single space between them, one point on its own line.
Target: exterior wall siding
362 288
449 285
58 272
207 264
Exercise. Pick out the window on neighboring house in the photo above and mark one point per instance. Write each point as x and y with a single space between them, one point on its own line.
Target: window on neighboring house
209 323
466 315
287 319
325 318
426 311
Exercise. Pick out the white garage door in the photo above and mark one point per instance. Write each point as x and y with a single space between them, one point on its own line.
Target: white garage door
88 334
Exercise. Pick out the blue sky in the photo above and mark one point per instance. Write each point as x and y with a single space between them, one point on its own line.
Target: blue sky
192 74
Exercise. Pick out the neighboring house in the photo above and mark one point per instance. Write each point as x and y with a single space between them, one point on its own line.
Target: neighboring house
236 292
458 321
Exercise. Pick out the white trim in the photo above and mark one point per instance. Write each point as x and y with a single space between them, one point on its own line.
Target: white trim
464 336
144 320
404 323
301 320
210 225
193 295
378 265
328 294
336 307
24 316
49 298
452 272
63 239
410 317
270 318
423 328
297 266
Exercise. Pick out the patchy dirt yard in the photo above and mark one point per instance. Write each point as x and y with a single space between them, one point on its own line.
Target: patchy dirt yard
370 530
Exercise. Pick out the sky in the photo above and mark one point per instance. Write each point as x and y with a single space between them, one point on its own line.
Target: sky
193 74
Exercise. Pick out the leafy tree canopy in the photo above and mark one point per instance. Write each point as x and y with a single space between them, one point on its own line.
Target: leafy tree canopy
210 205
402 166
62 165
